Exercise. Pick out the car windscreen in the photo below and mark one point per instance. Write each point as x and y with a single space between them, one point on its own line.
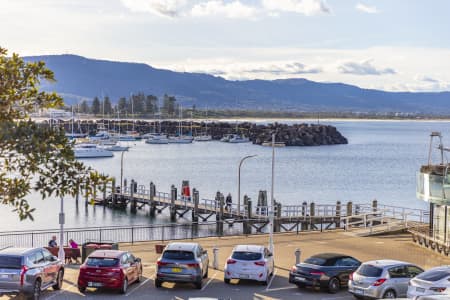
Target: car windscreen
369 271
101 262
318 261
434 275
245 255
10 262
178 255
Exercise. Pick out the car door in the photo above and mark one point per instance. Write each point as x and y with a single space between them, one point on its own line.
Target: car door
126 266
399 279
268 256
134 266
50 267
203 256
345 266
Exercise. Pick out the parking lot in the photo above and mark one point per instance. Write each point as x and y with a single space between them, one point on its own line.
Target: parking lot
368 248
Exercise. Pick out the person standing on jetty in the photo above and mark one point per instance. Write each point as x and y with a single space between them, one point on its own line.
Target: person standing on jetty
228 202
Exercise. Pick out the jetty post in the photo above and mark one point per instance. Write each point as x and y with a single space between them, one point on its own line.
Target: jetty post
173 197
152 193
195 198
304 226
219 216
349 213
338 214
277 222
312 213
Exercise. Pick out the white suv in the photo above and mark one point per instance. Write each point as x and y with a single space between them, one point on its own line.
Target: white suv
250 262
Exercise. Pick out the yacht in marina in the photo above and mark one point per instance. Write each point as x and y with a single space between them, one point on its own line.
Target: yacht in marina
90 150
156 138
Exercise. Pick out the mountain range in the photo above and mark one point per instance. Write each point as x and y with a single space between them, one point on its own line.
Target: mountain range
78 78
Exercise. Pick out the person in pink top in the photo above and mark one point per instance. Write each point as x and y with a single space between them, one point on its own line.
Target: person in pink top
73 244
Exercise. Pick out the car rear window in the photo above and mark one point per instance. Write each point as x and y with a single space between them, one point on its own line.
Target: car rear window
316 261
10 262
178 255
102 262
369 271
433 275
245 255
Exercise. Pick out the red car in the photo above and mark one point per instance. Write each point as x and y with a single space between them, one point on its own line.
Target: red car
111 269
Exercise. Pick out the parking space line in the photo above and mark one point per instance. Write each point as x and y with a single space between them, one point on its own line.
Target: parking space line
271 280
141 284
282 288
53 295
335 298
209 281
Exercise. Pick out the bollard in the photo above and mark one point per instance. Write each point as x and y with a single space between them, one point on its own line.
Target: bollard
215 258
298 252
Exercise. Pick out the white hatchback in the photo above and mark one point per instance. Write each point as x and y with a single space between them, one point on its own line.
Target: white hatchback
435 281
249 262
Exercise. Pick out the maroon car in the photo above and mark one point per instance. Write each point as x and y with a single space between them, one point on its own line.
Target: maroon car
111 269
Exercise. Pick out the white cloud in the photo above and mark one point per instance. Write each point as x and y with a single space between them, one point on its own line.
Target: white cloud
164 8
426 78
231 10
366 8
294 68
305 7
364 68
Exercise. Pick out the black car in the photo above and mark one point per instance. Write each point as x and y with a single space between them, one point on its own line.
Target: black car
328 271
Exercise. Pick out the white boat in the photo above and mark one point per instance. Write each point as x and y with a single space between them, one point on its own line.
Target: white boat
87 150
181 139
156 138
127 137
236 138
116 148
203 138
277 144
100 135
226 138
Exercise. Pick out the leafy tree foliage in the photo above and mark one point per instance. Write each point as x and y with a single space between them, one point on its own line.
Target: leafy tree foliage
84 107
96 106
107 106
34 156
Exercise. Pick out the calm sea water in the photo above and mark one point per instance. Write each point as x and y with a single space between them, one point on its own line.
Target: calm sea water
380 162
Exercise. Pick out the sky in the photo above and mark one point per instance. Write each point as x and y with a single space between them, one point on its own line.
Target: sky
393 45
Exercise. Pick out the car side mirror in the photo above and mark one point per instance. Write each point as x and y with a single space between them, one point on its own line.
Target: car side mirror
54 258
204 252
270 254
137 260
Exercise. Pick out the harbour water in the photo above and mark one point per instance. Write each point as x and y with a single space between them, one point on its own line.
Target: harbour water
380 162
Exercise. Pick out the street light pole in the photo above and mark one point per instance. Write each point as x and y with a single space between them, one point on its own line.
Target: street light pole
121 172
239 183
272 200
61 254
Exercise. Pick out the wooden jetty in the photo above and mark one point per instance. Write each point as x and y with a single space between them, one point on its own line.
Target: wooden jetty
369 218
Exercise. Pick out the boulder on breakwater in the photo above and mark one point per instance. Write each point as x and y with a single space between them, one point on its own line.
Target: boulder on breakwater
291 135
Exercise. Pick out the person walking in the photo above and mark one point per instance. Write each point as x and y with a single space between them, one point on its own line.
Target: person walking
73 245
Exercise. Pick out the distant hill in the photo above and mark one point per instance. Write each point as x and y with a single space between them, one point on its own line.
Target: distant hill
79 77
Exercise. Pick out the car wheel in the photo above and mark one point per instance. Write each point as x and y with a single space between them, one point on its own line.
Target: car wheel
198 285
358 297
390 294
206 274
59 281
158 283
333 285
139 278
124 288
36 291
82 289
226 280
300 285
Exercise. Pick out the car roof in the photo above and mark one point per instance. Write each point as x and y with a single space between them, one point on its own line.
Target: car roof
16 251
107 253
249 248
181 246
329 255
386 263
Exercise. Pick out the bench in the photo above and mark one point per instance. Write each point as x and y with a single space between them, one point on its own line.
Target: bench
69 253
